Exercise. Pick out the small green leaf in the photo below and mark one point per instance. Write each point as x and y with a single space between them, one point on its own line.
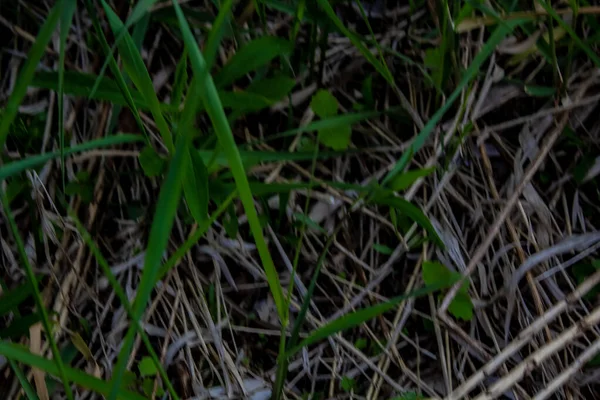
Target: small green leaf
361 343
405 180
383 249
253 55
84 189
435 272
348 384
337 138
152 163
461 306
324 104
147 367
230 223
274 88
195 187
540 91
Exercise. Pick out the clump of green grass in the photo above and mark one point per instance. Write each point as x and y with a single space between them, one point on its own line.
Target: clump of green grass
187 146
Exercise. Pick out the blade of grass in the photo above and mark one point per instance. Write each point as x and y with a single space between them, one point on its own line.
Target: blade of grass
29 391
217 115
498 35
363 315
39 302
16 167
166 208
586 49
195 236
216 33
134 65
24 79
65 24
378 65
21 354
251 56
122 297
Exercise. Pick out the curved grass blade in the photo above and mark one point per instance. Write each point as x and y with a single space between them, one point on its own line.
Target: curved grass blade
253 55
21 354
361 316
29 391
377 64
496 37
413 212
134 65
28 71
16 167
215 111
121 83
216 33
168 201
587 50
65 24
39 303
123 298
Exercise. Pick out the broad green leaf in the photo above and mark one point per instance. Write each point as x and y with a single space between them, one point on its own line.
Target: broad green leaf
495 38
337 138
406 179
434 272
21 354
274 89
152 163
361 316
27 72
324 104
195 187
134 65
19 166
146 367
411 211
461 306
251 56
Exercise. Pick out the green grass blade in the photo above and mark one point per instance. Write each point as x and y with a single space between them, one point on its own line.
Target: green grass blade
225 136
65 24
168 201
412 211
140 9
216 33
27 388
24 79
590 53
134 65
123 298
495 38
21 354
378 65
194 237
19 166
36 296
361 316
250 57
